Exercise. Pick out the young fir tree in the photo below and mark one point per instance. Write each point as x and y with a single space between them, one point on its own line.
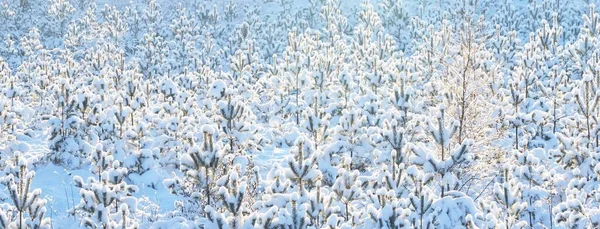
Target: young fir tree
232 190
202 168
27 208
68 140
574 211
533 178
421 196
445 163
106 202
302 165
508 195
348 192
60 13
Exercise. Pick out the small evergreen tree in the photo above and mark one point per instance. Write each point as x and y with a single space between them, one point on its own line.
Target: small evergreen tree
28 208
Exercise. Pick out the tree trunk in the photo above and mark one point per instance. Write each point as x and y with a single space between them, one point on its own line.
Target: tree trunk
517 137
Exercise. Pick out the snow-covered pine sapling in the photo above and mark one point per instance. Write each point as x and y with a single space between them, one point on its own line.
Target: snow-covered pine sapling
347 189
350 138
312 12
471 68
581 52
395 19
526 70
574 211
66 138
152 16
276 183
297 217
372 110
508 195
555 91
31 43
587 98
7 14
530 171
440 133
231 193
402 100
133 100
133 21
538 120
386 211
280 204
100 161
207 17
394 135
230 111
210 54
237 123
550 36
105 202
230 11
5 70
28 208
421 196
396 183
201 163
97 61
169 90
504 48
150 48
11 93
452 210
348 83
302 165
243 57
292 66
183 45
573 154
320 205
60 13
215 218
143 160
119 71
184 103
442 165
10 48
121 115
272 43
317 125
516 98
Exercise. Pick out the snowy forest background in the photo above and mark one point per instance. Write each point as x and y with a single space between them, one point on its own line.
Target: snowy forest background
299 114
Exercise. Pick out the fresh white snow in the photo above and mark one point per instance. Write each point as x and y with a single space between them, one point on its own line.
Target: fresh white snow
299 114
